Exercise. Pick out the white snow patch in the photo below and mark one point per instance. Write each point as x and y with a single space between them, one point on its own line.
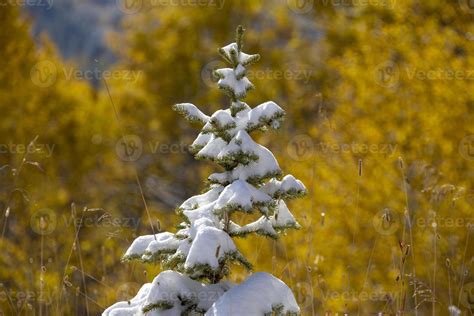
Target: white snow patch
264 166
242 195
164 241
262 225
212 148
228 80
283 217
244 58
132 307
222 177
199 224
205 211
267 111
201 140
203 199
208 247
232 47
240 71
168 287
290 183
241 143
192 112
255 296
222 119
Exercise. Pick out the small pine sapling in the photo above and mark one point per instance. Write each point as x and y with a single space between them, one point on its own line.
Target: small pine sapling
200 254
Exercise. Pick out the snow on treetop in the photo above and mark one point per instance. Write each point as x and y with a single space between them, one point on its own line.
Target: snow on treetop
229 81
246 59
260 294
232 54
229 50
233 80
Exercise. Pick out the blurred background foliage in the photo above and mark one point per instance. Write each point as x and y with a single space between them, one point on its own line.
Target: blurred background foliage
379 127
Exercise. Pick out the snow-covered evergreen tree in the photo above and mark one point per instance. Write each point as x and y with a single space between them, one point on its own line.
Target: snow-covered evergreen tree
199 255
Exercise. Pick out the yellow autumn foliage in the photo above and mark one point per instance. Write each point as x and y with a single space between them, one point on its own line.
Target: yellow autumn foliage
379 127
